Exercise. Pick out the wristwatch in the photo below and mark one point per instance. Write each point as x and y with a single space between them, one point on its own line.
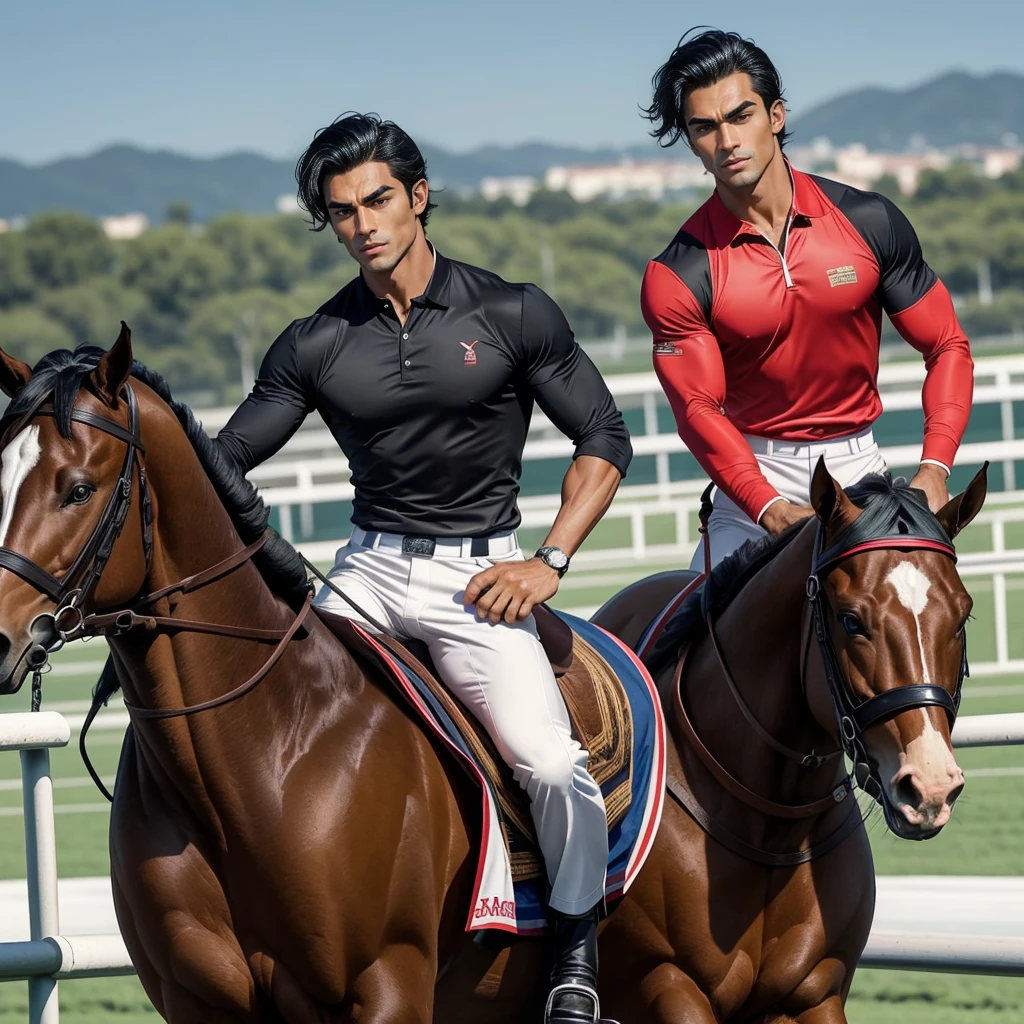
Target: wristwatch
554 557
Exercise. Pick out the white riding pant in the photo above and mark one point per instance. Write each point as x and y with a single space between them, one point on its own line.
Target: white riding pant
501 675
789 467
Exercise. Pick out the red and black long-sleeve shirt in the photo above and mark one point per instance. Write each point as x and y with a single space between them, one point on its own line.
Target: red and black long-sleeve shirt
783 343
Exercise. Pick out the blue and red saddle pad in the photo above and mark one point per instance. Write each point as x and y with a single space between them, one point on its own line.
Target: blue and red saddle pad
520 908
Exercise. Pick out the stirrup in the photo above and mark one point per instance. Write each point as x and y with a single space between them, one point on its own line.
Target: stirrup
576 988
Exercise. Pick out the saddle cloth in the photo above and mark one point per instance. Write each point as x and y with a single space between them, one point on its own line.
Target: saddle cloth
616 716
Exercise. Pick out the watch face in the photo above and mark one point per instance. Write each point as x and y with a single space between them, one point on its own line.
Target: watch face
556 558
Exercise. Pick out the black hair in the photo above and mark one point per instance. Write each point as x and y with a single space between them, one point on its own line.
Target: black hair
347 142
699 62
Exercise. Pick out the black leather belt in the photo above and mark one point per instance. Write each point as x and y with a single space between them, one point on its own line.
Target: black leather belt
423 547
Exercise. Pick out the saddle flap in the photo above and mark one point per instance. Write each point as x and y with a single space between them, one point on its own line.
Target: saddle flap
599 713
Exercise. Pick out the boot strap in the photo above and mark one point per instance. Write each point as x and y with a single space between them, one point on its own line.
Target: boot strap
576 988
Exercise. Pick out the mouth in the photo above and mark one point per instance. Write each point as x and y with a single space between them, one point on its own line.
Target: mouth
735 164
372 249
904 829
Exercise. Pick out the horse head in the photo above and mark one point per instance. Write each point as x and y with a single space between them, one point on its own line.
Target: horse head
890 615
70 471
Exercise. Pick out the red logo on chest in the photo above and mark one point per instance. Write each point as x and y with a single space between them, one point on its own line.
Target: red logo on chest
470 359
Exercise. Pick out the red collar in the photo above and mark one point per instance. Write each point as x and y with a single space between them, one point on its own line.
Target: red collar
808 201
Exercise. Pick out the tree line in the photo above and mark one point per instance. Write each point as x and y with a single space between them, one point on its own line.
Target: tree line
205 301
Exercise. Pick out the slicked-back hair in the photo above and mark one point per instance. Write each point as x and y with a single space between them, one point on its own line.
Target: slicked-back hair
701 61
349 141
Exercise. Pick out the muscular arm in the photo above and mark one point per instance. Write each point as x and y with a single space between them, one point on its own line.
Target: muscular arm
689 365
922 311
574 396
279 402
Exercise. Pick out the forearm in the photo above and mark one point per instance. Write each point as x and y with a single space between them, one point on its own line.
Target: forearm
931 327
587 491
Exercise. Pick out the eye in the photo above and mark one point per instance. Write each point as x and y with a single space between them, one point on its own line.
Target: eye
79 495
852 624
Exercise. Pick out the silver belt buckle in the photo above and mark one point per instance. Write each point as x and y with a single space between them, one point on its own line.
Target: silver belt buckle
418 547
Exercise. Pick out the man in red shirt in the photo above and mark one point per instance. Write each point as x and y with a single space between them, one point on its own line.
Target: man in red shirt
766 307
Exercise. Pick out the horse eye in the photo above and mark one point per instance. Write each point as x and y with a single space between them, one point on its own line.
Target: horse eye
852 624
79 495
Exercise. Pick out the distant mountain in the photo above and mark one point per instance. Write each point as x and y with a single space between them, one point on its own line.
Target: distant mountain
950 110
127 179
954 109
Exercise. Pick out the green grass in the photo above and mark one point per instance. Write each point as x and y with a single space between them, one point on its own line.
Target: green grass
85 1001
914 997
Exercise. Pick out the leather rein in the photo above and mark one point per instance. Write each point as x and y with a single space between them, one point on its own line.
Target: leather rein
71 591
853 719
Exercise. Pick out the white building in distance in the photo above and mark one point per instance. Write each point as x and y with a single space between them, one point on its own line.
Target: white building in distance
653 179
124 226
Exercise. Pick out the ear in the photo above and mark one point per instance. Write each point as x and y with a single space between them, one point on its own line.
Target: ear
827 497
959 511
114 368
14 374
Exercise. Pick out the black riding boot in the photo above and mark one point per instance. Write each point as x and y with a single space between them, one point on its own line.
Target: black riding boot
573 998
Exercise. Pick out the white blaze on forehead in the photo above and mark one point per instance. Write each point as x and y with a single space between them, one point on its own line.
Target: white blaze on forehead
912 586
17 461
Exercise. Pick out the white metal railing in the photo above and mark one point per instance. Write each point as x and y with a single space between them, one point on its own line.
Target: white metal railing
48 956
310 469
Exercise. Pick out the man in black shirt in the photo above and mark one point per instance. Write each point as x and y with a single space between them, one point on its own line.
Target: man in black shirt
426 371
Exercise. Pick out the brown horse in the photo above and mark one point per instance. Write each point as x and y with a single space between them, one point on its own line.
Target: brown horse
303 853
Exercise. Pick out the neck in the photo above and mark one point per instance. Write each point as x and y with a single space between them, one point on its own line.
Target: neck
762 636
767 203
408 279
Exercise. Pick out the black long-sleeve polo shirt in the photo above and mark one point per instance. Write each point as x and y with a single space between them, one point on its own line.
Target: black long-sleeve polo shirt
432 415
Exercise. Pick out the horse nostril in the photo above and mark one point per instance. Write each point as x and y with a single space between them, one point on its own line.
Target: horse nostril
908 793
954 793
5 647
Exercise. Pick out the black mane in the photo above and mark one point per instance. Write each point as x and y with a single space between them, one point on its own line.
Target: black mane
59 377
884 498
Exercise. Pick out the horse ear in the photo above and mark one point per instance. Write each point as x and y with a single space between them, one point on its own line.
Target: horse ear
14 374
114 367
827 496
959 511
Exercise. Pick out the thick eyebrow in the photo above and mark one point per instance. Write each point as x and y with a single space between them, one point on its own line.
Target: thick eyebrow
728 117
366 199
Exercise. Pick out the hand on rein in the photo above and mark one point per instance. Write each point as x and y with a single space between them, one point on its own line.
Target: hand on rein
510 590
782 514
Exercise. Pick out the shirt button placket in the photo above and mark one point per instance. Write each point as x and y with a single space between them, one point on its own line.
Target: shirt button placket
406 362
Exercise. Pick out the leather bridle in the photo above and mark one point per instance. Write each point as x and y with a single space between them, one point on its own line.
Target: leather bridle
855 718
71 591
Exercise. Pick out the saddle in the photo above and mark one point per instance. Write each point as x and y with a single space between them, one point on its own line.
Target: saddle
599 711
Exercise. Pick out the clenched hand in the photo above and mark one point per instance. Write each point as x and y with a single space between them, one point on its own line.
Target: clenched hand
509 590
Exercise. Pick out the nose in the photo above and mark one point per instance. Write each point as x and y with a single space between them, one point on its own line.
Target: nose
5 648
365 223
927 799
727 137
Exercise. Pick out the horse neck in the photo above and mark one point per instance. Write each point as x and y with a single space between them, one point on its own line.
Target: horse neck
762 636
175 669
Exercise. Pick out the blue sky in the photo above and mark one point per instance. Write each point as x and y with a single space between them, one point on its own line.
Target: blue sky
222 75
